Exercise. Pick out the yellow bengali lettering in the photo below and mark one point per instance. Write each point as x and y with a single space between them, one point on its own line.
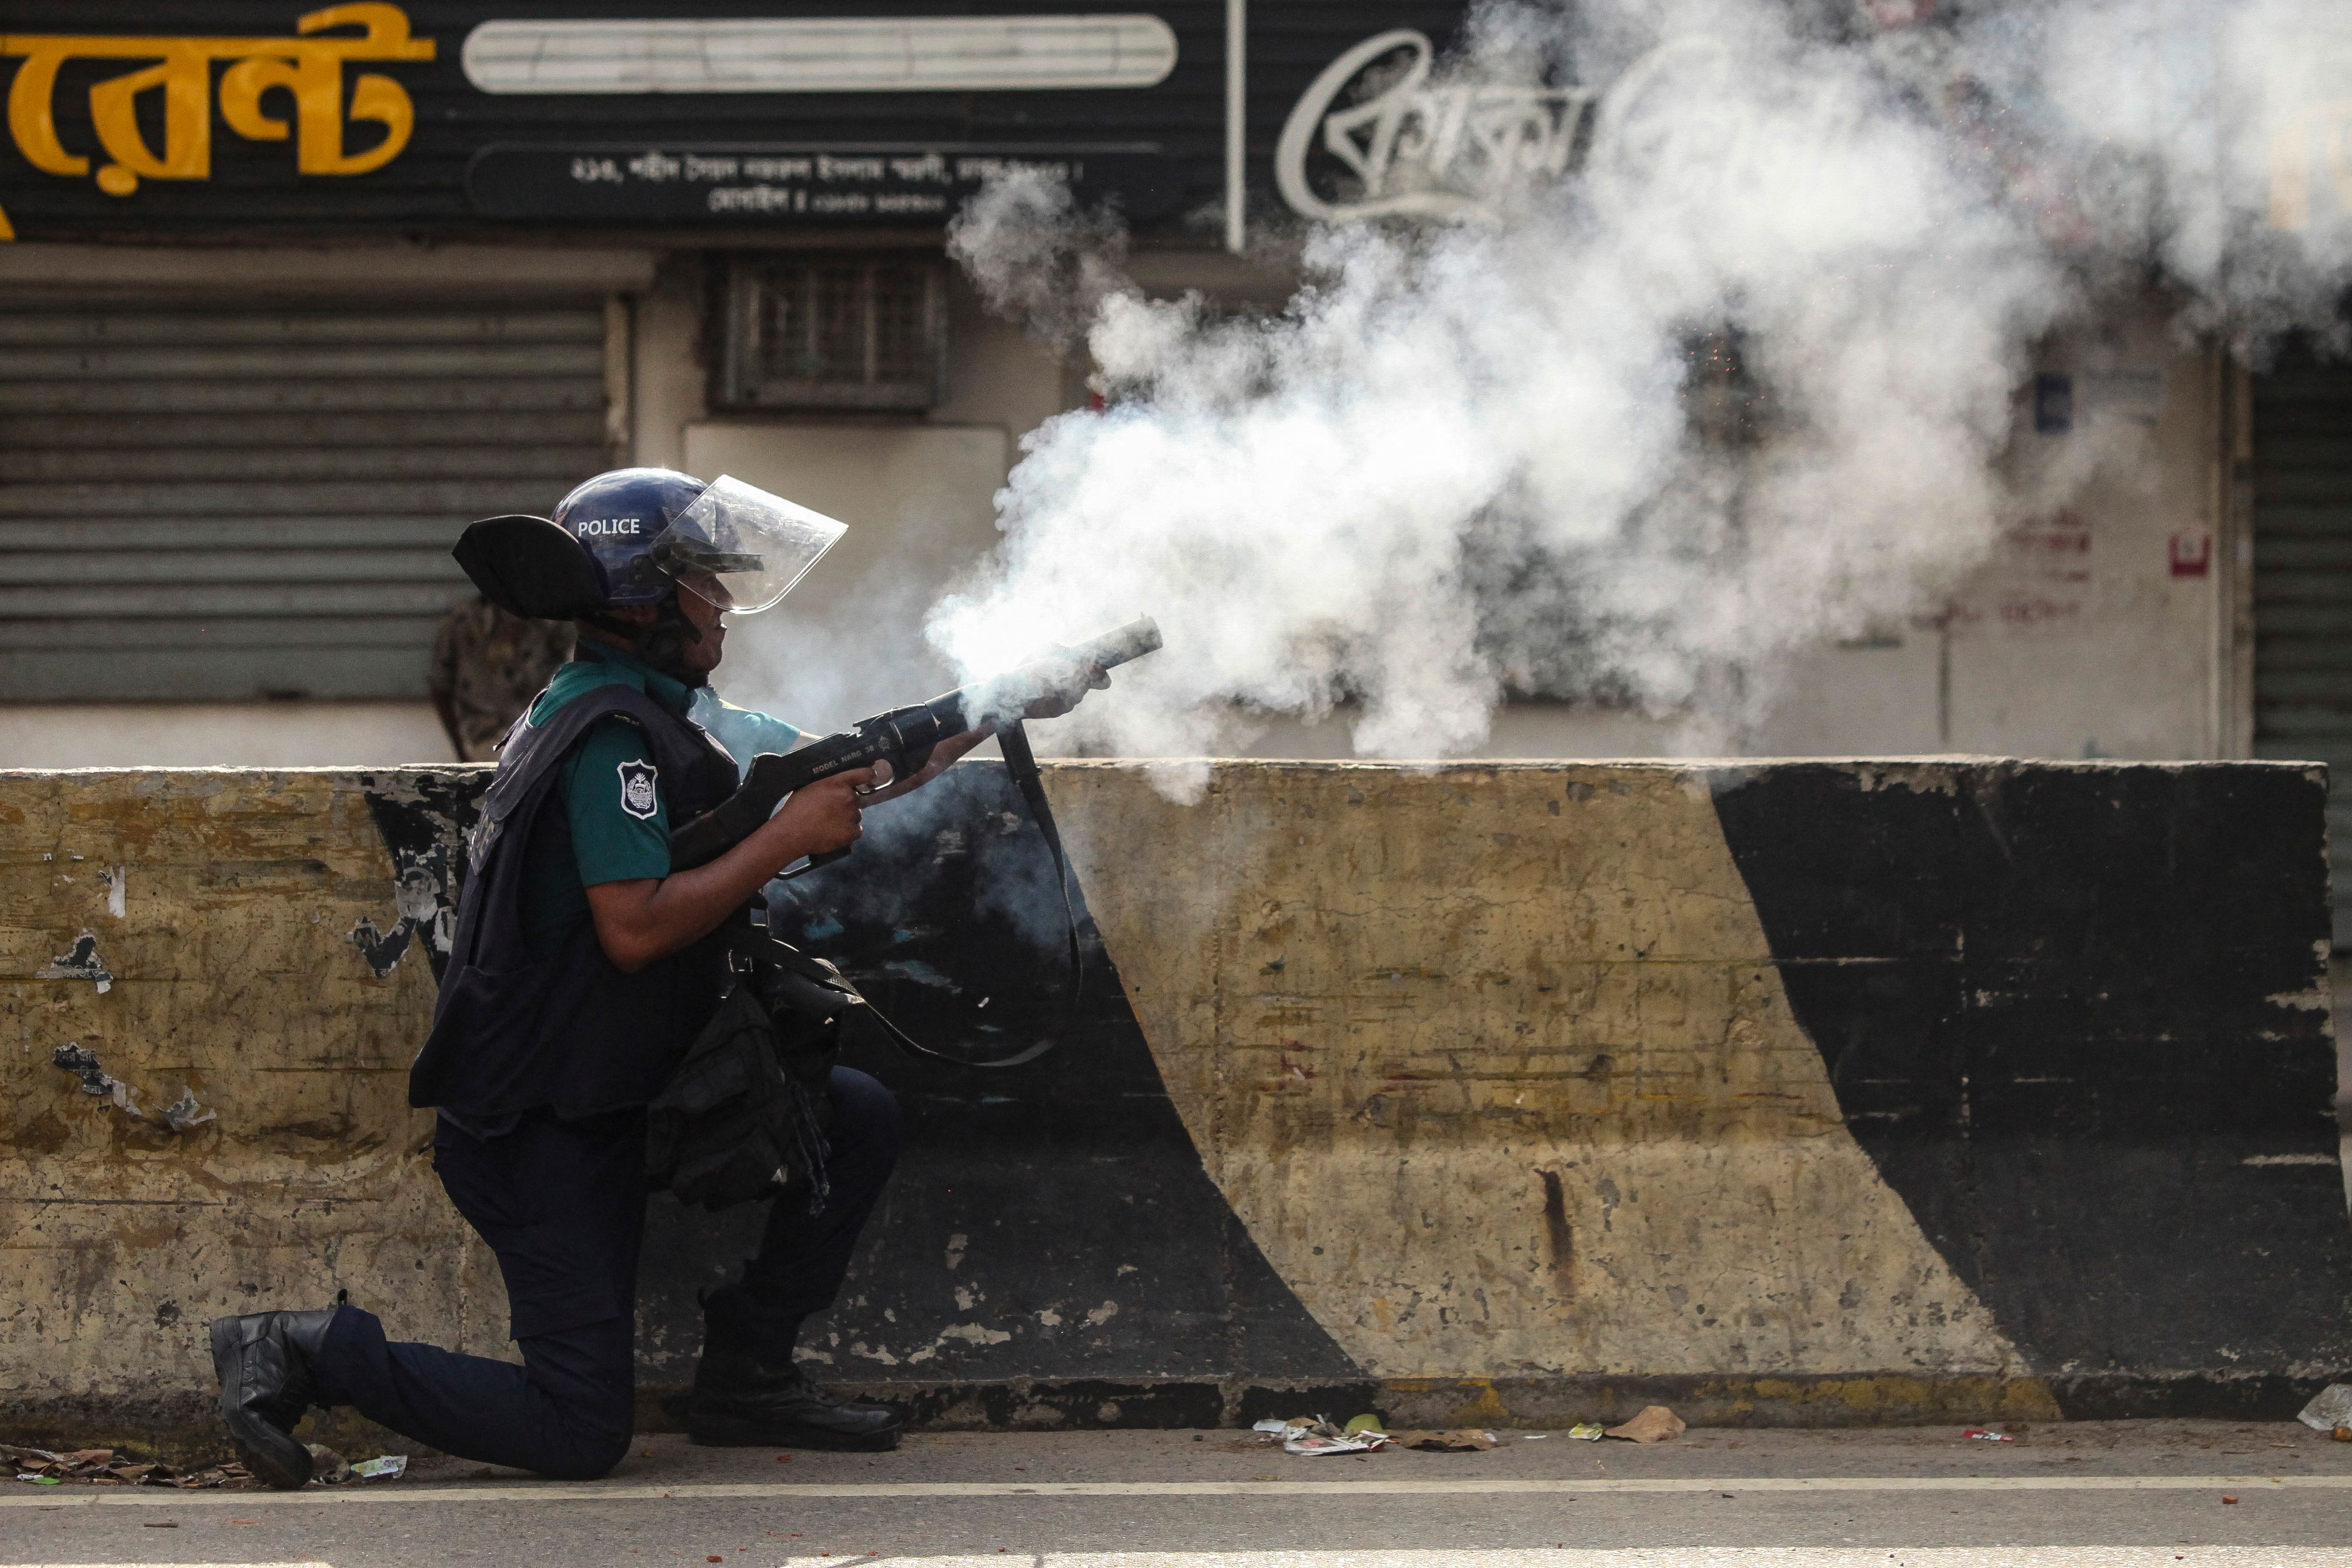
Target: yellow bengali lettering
309 66
185 78
31 120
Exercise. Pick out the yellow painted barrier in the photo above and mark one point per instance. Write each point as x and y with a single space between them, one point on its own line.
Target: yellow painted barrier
1496 1093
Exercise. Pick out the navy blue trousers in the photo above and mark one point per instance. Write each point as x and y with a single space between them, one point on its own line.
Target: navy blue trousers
562 1205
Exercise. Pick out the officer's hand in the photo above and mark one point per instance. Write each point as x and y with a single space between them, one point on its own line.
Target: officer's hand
1061 700
817 819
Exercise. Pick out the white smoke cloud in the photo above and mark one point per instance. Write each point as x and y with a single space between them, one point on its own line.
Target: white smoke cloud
1483 455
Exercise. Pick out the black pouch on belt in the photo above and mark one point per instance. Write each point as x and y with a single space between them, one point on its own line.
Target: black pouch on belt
745 1115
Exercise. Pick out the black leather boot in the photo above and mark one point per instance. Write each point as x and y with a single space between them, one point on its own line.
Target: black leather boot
743 1400
265 1360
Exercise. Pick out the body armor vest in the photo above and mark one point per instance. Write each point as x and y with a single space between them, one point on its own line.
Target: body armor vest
569 1032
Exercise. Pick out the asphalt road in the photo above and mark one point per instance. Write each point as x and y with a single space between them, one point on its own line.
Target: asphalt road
2129 1495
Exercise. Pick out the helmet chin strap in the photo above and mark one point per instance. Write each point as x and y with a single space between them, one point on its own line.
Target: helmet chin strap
663 644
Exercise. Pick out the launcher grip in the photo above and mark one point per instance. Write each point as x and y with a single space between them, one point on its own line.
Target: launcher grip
771 778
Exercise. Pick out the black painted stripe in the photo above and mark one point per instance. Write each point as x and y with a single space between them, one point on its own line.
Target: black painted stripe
2064 1008
1062 1198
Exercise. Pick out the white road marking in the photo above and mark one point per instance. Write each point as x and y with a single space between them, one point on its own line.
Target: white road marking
1659 1557
639 1491
1665 1557
1629 1557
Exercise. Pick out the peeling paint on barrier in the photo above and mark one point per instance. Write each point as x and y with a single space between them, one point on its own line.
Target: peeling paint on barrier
383 950
82 964
94 1078
425 819
1468 1094
293 1164
184 1112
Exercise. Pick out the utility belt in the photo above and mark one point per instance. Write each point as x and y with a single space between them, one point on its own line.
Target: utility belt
747 1114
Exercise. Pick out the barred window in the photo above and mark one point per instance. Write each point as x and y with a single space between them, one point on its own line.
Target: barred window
832 332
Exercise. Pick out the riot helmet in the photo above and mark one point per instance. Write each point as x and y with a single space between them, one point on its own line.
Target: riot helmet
639 537
652 531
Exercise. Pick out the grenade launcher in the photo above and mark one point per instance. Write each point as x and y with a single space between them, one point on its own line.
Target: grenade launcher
902 738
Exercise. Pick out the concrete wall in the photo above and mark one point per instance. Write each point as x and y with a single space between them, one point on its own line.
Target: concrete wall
274 734
222 735
2126 659
1843 1091
2077 640
202 923
916 490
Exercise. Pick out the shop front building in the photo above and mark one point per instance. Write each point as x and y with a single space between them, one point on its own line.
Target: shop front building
288 298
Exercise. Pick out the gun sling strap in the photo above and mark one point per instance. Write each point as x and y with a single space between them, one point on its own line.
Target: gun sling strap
1022 764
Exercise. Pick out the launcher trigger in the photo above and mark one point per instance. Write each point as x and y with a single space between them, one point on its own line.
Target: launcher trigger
813 862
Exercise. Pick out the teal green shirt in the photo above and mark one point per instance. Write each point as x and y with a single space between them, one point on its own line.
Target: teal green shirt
612 794
744 732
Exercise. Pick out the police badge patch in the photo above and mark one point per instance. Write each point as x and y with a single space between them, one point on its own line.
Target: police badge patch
638 798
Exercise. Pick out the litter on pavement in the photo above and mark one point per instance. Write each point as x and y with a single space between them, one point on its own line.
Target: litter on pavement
1982 1436
329 1469
107 1467
1316 1435
1458 1440
1655 1423
1586 1432
2330 1410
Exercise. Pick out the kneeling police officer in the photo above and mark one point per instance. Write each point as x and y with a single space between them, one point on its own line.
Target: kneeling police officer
583 968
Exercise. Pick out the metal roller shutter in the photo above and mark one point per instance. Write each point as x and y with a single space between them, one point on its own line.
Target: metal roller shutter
218 502
2302 586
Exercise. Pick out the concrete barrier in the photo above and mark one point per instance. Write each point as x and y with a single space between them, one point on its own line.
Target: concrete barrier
1781 1093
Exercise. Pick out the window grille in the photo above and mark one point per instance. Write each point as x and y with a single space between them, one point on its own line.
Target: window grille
829 331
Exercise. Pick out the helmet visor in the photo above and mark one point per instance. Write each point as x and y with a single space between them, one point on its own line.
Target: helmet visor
741 547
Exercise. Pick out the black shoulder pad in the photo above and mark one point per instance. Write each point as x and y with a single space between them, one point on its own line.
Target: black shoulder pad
528 566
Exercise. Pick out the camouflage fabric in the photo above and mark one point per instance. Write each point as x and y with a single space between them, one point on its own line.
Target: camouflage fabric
487 666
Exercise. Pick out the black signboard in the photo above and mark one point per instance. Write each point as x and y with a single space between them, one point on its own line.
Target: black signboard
232 119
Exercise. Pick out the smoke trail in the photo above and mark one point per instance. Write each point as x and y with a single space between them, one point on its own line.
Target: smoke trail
1734 387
